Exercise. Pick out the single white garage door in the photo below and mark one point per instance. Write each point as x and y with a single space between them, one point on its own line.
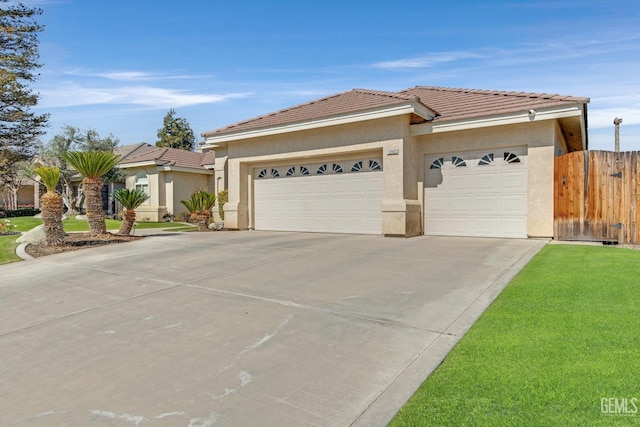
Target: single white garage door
330 197
482 193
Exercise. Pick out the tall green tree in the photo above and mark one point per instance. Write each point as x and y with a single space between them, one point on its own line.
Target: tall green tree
92 165
19 125
176 133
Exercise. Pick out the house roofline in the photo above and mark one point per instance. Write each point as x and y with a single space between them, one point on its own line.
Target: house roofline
498 120
410 107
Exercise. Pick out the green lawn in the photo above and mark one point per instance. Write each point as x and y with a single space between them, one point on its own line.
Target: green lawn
564 335
8 249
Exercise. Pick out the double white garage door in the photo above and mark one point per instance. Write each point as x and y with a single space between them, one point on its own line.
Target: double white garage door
330 197
482 193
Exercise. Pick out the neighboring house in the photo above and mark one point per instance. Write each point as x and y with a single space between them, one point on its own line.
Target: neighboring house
167 175
25 196
425 160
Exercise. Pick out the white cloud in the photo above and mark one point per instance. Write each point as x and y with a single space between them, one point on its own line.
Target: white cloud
131 75
429 60
68 95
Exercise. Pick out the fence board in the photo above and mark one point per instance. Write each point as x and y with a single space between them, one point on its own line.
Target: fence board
596 196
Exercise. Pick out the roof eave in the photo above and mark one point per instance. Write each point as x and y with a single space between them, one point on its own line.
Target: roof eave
141 164
497 120
396 110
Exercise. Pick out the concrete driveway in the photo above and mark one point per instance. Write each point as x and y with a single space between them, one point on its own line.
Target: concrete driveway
239 328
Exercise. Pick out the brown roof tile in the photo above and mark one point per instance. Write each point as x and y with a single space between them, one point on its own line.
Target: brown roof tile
334 105
456 104
448 103
170 157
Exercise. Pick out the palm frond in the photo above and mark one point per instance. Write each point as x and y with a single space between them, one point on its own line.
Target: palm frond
49 176
200 201
130 199
91 164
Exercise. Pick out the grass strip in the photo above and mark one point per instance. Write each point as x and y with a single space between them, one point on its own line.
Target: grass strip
563 336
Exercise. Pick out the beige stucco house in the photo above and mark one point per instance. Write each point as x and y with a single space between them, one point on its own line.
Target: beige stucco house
425 160
167 175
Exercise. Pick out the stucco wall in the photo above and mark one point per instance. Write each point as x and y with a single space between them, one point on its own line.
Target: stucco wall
180 185
403 164
373 137
541 140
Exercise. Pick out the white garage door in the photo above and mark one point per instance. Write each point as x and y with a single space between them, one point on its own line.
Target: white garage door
330 197
481 193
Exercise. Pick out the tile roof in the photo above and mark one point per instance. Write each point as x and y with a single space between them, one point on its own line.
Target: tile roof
334 105
448 103
168 156
128 150
455 104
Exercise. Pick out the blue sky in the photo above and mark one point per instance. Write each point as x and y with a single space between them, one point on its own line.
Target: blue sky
118 66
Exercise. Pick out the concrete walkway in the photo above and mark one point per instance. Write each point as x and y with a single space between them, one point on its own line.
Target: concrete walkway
239 328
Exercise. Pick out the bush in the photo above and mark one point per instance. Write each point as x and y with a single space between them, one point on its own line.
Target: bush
19 212
223 197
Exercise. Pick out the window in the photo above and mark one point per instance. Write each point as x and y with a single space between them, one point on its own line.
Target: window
304 170
291 171
357 167
511 158
486 160
142 184
262 174
458 162
437 164
336 168
322 170
374 165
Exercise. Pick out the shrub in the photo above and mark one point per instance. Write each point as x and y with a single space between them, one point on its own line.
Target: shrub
21 212
223 197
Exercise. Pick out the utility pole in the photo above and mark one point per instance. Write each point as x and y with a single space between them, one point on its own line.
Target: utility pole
617 122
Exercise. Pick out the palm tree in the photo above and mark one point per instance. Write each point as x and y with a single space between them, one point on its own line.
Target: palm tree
51 206
199 205
92 165
130 200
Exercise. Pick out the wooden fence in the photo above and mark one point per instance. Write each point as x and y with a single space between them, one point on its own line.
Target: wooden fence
596 196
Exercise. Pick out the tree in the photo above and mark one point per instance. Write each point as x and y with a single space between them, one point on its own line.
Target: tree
69 139
130 200
12 179
176 133
19 126
92 165
51 206
199 206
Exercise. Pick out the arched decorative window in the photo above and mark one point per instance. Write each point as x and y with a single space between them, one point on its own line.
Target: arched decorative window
437 163
486 160
511 158
291 171
304 170
262 174
458 162
275 173
142 184
336 168
322 170
357 167
374 165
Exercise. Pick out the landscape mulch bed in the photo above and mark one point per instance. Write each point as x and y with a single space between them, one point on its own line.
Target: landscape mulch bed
75 241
